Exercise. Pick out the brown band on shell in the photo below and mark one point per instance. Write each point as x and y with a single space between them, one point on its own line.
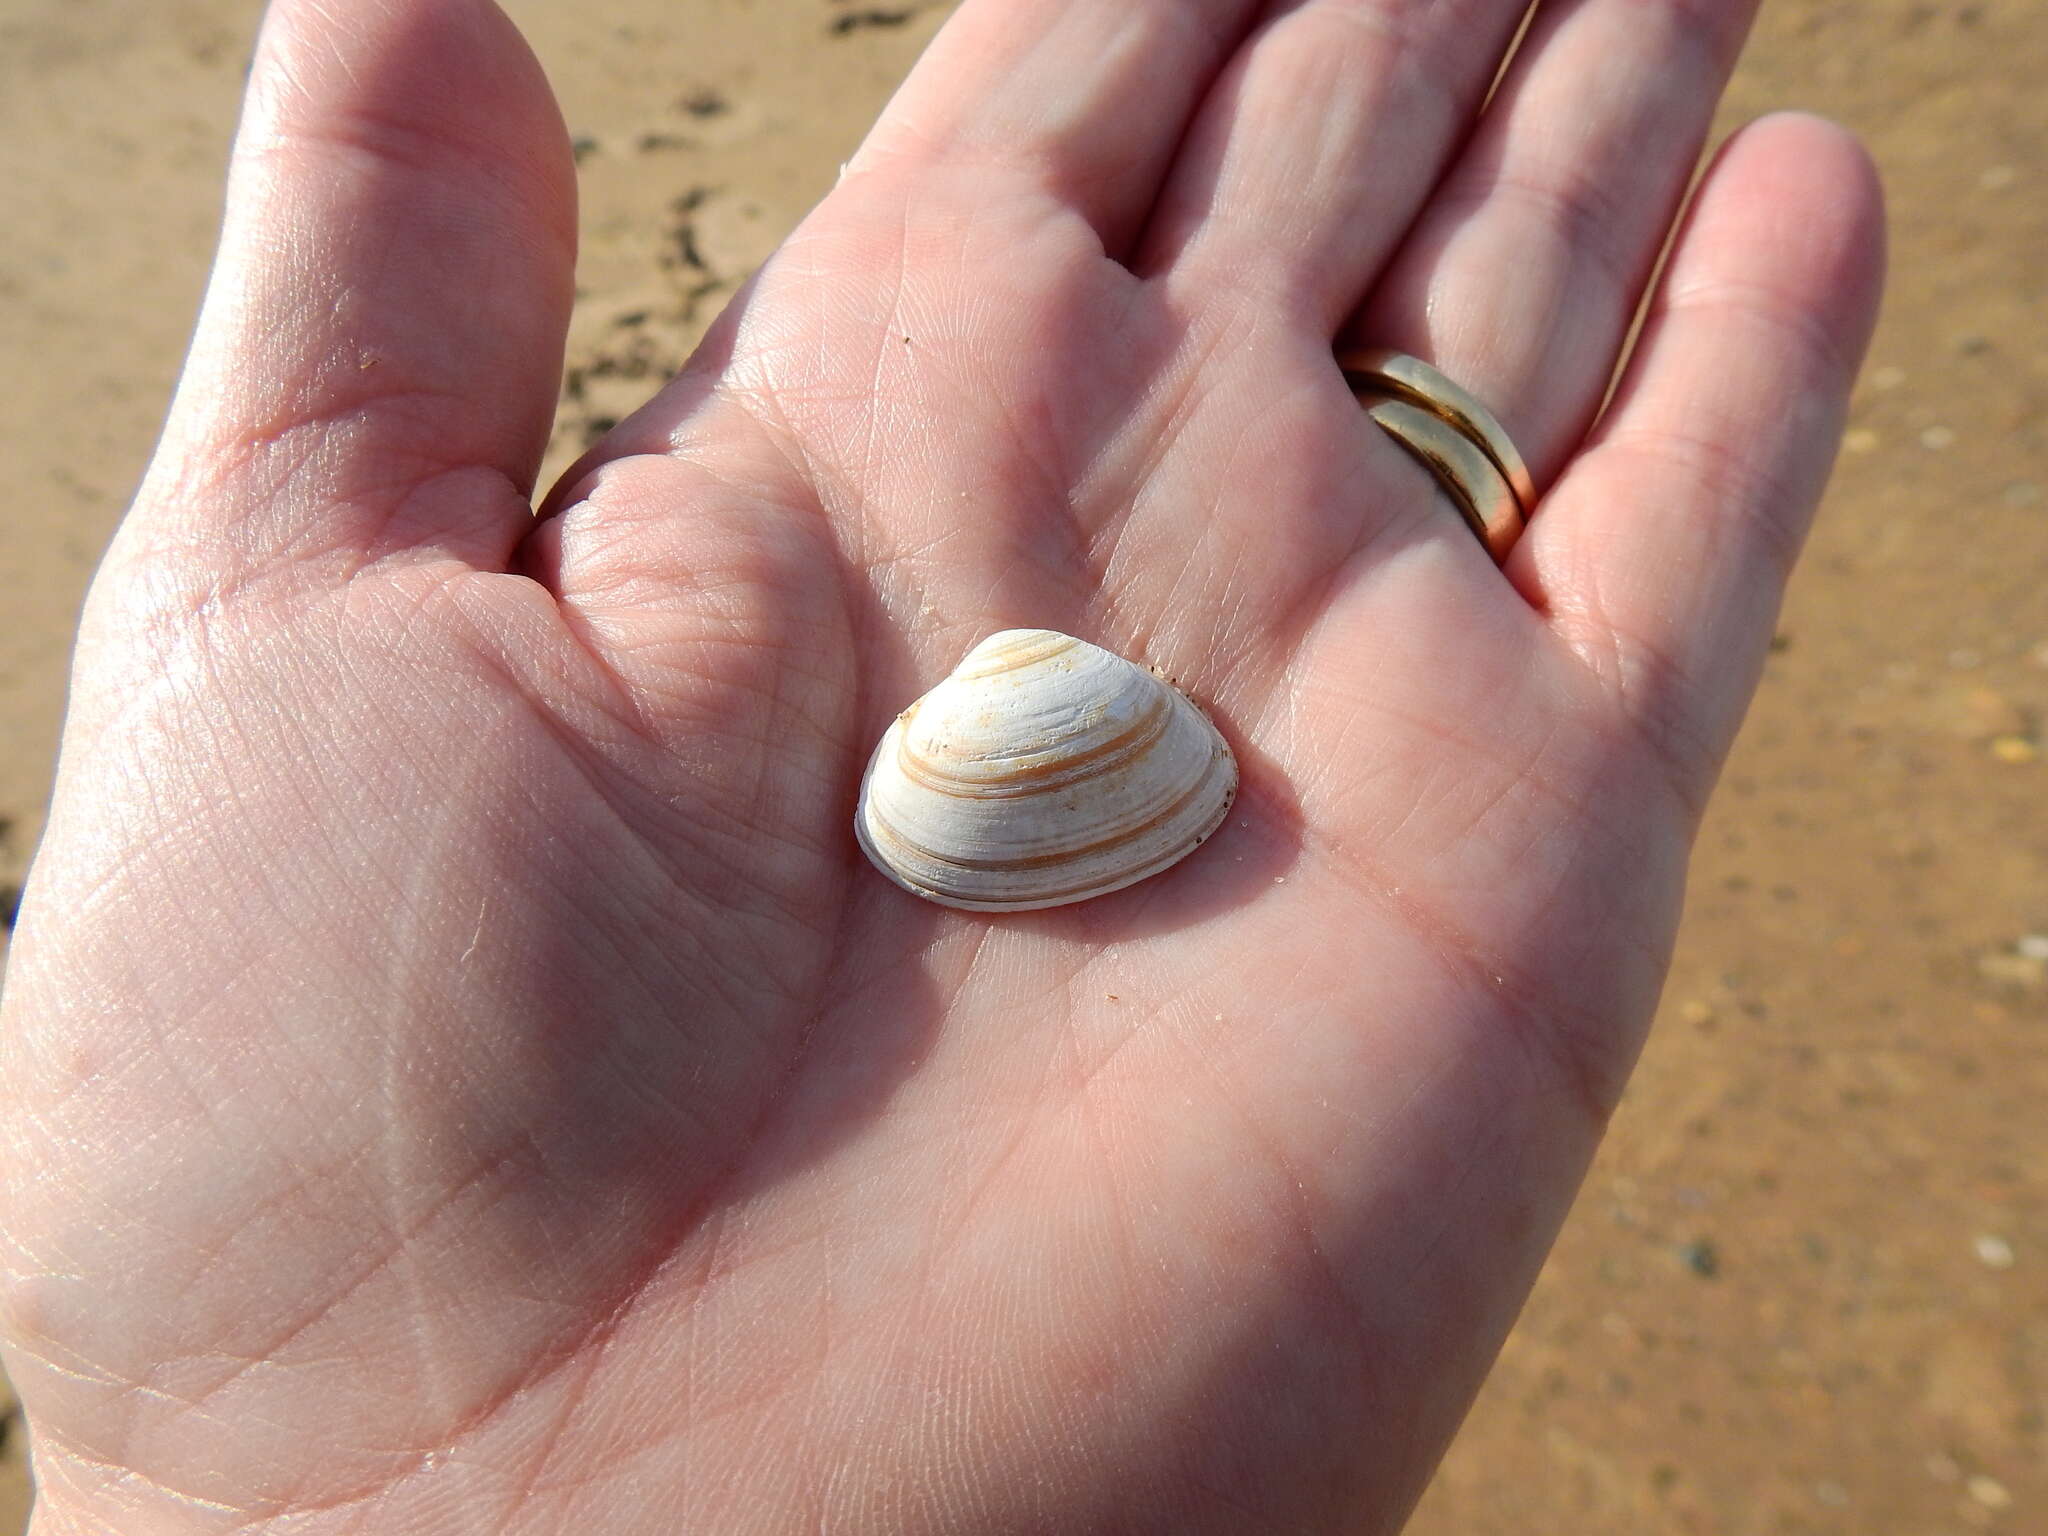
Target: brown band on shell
1067 855
1017 654
1104 757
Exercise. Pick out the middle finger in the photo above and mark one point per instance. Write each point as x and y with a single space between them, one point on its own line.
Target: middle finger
1317 145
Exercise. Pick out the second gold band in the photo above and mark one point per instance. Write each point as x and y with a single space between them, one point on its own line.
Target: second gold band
1455 437
1383 370
1474 482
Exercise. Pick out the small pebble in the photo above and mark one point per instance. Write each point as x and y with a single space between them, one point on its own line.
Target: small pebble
1701 1258
1993 1251
1887 378
1938 438
2022 493
1832 1494
1943 1468
1861 440
1979 714
2013 969
1996 178
2033 945
1697 1013
1988 1491
2014 749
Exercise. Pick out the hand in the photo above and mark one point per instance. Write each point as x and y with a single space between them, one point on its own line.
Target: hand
460 1073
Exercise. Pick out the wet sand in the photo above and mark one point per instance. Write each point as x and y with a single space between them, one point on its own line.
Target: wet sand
1806 1289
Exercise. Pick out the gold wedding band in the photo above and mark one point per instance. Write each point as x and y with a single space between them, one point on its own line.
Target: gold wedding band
1465 470
1382 370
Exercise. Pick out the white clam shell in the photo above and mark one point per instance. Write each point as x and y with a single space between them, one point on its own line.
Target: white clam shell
1043 771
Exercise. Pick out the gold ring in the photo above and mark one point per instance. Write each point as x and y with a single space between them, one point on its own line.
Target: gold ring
1383 370
1464 469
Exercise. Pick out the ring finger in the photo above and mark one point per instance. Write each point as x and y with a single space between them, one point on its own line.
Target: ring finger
1521 276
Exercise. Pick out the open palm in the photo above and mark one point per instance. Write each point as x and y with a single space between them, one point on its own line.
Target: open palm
460 1073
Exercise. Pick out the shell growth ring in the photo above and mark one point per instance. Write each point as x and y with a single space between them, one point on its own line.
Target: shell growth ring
1457 440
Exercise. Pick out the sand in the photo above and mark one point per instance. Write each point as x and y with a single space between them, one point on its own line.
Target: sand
1806 1289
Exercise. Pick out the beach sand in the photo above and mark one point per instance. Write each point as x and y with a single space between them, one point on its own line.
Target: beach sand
1806 1289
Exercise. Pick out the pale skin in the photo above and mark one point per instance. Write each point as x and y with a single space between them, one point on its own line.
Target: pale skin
459 1074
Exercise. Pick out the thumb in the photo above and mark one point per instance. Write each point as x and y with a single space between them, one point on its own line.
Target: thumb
378 357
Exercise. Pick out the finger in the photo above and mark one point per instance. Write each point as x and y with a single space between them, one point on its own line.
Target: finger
1664 551
1083 103
1521 276
1318 144
378 357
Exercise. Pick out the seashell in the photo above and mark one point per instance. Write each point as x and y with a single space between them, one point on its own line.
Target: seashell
1043 771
